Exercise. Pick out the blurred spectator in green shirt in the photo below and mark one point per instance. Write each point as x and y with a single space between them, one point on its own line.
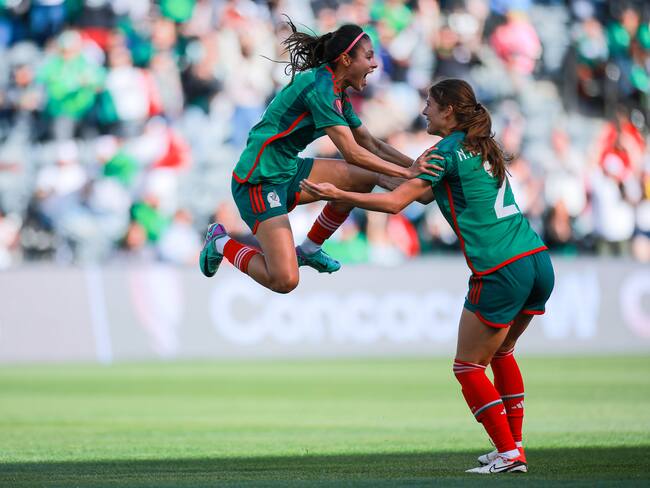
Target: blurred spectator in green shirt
71 83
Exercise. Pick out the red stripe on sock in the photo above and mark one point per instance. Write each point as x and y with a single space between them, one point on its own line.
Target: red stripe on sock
484 401
239 254
326 224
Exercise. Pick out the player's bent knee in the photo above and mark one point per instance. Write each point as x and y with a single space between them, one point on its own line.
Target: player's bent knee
284 284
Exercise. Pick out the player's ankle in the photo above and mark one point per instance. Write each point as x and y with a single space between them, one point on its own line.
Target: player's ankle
514 453
220 244
309 247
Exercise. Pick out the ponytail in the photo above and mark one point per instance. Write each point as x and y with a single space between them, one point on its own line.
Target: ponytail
473 119
310 51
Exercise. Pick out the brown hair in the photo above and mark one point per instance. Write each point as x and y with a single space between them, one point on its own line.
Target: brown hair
473 119
307 51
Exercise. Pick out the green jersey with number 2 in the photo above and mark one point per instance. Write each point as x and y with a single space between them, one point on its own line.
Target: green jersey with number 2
492 230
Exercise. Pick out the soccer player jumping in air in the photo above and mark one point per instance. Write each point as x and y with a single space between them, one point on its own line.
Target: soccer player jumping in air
512 275
265 182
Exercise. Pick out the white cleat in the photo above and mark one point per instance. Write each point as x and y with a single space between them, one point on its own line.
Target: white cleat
488 458
491 456
501 464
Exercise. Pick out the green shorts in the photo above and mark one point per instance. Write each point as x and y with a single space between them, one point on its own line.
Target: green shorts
522 286
262 201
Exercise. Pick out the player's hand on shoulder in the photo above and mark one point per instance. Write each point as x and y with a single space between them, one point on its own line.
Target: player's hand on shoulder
323 191
424 164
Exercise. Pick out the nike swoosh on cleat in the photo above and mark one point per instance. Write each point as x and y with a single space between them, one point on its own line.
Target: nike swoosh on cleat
505 469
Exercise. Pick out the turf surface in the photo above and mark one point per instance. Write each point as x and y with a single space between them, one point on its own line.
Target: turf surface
313 423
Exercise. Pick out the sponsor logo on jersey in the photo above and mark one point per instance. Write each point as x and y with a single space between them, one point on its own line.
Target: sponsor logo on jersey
273 199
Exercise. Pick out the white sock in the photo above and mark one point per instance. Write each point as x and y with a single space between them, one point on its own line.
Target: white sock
309 247
220 243
510 454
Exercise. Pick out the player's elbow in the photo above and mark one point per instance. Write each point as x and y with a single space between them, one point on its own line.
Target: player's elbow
395 207
351 154
364 141
370 144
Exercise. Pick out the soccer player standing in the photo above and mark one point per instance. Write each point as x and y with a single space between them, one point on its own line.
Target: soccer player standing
512 275
265 181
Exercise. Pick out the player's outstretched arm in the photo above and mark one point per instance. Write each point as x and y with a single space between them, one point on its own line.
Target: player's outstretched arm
378 147
392 202
359 156
392 182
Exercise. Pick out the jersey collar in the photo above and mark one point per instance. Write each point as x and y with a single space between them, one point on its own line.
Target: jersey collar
338 83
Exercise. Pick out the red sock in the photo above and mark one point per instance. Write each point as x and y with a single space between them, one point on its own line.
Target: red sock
239 255
485 403
326 224
510 385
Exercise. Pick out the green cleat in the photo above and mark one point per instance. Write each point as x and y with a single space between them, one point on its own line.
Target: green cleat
210 258
320 261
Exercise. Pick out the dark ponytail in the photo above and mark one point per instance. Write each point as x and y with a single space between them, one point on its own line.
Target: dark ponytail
473 119
310 51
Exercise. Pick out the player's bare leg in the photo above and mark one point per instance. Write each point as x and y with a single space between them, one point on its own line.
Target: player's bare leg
345 176
341 174
514 332
477 344
274 267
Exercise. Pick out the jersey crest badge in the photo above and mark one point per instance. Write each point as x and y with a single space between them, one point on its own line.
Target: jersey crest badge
274 199
338 105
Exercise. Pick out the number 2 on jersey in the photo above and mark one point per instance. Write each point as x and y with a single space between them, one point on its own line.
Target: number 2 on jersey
501 210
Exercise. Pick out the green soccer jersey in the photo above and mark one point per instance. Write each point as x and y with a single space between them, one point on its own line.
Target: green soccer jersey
297 116
490 227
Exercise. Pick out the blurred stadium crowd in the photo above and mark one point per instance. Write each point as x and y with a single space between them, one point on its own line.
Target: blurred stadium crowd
121 120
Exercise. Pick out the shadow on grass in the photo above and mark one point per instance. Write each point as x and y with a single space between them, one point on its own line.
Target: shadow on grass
566 467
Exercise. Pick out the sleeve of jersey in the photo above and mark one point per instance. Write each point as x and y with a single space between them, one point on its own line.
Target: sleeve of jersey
443 163
326 108
353 120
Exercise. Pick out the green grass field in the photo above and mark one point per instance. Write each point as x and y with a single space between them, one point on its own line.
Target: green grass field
313 423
